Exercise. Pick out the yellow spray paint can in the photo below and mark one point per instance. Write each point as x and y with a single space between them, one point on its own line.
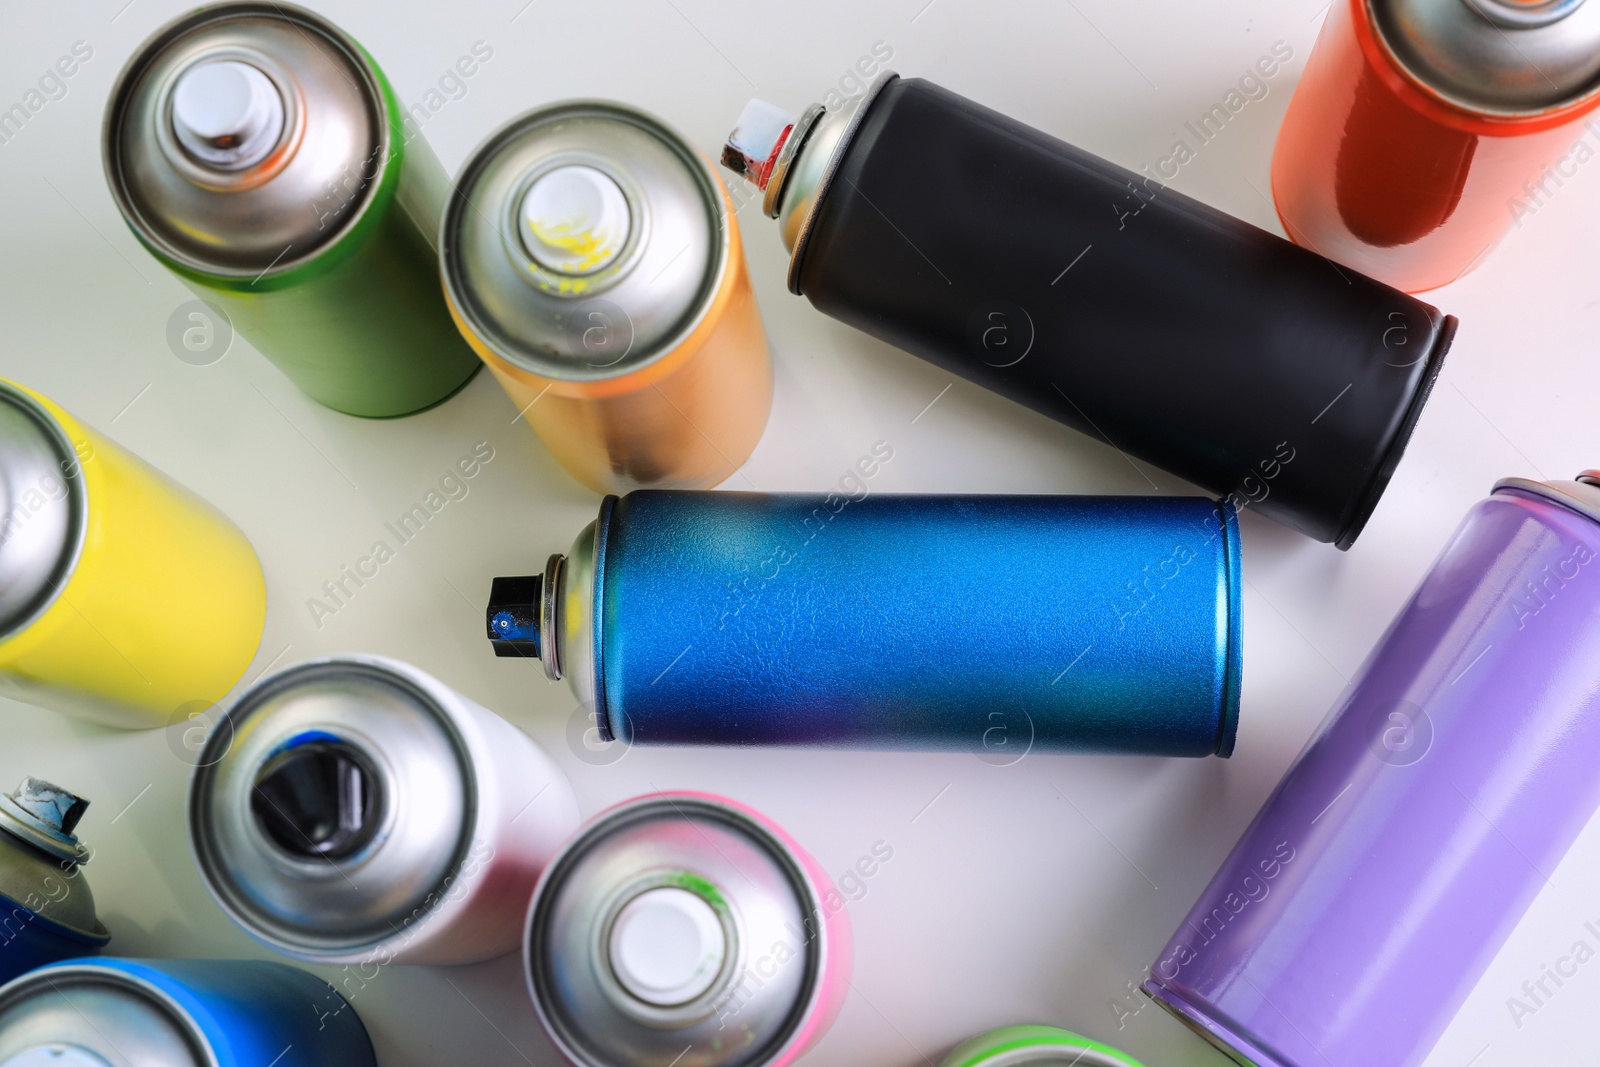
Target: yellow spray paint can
124 598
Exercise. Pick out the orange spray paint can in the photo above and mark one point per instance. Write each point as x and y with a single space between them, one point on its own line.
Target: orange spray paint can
591 257
1423 131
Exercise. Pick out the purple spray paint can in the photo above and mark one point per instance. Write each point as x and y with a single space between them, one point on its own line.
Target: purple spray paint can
1373 889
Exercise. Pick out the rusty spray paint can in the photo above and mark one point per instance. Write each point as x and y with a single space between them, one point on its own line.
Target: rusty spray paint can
1423 131
591 256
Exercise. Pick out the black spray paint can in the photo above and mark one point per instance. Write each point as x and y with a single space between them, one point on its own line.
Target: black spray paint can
1256 369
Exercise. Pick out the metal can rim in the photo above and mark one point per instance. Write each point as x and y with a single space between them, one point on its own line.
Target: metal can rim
78 494
793 1032
1472 115
374 85
1017 1046
1556 493
450 270
200 1046
200 781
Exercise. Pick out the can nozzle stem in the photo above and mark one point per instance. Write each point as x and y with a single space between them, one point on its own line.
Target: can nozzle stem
513 615
753 147
45 816
227 114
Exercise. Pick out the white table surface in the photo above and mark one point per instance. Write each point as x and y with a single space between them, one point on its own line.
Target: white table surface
1004 902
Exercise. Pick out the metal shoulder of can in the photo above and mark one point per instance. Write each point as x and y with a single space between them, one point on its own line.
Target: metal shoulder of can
670 918
665 591
356 810
176 1013
1035 1046
1490 63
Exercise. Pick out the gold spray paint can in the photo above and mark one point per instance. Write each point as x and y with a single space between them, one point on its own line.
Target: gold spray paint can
591 257
123 597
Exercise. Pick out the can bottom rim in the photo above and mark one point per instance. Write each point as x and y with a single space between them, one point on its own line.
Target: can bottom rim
1233 653
1224 1037
1368 502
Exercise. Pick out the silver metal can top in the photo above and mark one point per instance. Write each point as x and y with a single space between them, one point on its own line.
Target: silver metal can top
85 1015
43 508
242 138
1582 494
1501 57
328 805
675 929
584 240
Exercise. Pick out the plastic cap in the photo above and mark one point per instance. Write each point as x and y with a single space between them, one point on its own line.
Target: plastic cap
575 220
753 146
227 113
50 804
667 946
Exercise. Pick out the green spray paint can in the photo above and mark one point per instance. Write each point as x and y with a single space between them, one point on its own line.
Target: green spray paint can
259 153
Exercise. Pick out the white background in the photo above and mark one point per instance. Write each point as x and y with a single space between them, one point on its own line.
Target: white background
1034 892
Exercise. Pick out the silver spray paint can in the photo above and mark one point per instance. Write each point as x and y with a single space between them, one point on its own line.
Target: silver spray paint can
686 929
356 810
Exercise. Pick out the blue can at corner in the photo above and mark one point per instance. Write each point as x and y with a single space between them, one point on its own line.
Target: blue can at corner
232 1013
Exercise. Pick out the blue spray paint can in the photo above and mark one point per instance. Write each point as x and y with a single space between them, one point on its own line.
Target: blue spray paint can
998 624
47 912
177 1013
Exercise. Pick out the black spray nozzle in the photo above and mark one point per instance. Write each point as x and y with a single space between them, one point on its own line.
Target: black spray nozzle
513 615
